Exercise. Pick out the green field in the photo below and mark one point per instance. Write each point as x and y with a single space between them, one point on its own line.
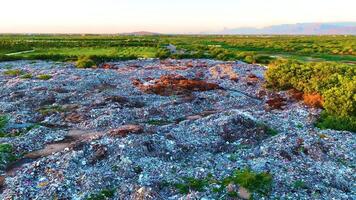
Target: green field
252 49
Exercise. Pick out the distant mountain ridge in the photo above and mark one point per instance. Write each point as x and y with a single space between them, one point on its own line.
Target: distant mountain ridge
338 28
140 33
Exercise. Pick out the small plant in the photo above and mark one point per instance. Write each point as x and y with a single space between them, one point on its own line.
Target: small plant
103 194
48 110
44 76
158 122
13 72
26 76
85 62
254 182
299 126
191 184
3 122
299 184
6 155
260 183
270 131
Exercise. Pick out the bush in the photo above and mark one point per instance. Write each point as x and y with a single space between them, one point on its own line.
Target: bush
341 100
327 84
85 62
44 76
328 121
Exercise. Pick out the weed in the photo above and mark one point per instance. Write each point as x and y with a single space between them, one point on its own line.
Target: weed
13 72
260 183
44 76
158 122
190 184
254 182
6 155
233 157
5 148
26 76
3 122
299 184
103 194
299 126
115 168
47 110
270 131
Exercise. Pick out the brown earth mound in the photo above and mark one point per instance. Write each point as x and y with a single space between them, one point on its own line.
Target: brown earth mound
173 84
275 101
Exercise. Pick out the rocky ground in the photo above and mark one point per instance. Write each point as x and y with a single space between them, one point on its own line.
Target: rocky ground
137 130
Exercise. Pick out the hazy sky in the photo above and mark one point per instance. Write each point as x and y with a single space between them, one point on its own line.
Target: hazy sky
166 16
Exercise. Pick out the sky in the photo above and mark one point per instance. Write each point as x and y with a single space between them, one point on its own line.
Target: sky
164 16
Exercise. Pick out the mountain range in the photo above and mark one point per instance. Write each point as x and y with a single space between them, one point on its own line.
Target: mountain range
339 28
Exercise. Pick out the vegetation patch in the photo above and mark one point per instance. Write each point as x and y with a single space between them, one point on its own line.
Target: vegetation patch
328 121
158 122
325 84
299 184
255 183
26 76
6 155
3 122
44 77
85 62
103 194
48 110
13 72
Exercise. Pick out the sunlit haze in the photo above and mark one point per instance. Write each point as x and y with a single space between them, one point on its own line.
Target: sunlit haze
165 16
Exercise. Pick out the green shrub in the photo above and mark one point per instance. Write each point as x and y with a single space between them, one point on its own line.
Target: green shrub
335 82
85 62
44 76
26 76
328 121
13 72
341 100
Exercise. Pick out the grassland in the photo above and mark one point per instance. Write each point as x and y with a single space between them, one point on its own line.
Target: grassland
260 49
